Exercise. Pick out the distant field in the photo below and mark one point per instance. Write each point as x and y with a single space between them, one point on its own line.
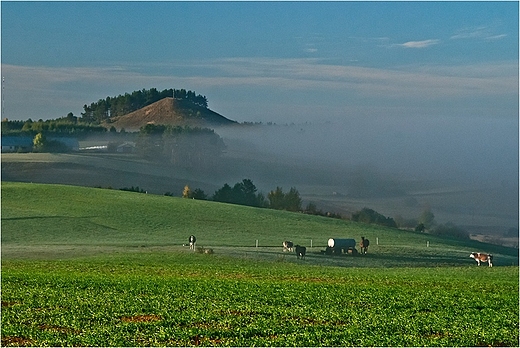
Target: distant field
98 267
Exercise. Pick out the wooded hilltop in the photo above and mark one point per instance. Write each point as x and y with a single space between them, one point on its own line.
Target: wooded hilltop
97 117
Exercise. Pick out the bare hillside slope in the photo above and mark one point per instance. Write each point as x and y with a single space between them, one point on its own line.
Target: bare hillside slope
170 111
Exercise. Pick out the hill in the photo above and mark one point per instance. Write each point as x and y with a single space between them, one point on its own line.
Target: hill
56 220
169 111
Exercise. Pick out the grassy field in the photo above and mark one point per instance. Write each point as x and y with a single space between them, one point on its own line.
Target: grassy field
98 267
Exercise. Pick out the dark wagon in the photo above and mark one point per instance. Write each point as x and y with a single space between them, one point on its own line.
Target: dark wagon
339 246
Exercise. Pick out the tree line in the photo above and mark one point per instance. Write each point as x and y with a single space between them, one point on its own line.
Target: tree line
68 125
246 193
180 145
104 109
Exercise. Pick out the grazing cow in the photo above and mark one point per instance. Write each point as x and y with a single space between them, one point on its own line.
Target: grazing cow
481 257
192 241
364 245
288 246
300 251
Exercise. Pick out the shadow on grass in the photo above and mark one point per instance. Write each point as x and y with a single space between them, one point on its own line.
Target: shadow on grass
46 217
61 217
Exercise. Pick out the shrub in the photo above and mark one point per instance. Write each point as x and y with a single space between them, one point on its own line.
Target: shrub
370 216
450 230
420 228
198 194
133 189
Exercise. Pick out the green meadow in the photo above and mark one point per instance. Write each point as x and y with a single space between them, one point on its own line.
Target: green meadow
98 267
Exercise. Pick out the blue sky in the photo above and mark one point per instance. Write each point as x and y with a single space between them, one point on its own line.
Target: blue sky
266 61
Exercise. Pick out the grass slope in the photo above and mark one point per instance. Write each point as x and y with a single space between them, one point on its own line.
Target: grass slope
39 218
170 111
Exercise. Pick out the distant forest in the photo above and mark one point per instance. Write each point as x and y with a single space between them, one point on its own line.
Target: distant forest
68 125
121 105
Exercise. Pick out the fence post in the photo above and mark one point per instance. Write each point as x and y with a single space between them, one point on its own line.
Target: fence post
256 243
427 243
377 240
311 243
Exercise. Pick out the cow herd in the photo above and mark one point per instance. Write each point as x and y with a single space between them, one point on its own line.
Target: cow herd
363 244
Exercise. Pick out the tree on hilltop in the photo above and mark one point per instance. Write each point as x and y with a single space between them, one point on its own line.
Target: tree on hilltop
243 193
290 201
224 194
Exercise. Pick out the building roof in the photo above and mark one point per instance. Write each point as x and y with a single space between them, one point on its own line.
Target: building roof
17 141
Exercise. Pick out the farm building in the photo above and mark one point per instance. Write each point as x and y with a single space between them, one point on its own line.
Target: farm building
16 144
127 147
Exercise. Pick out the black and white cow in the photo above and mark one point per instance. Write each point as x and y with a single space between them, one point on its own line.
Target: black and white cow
481 257
300 251
288 245
192 241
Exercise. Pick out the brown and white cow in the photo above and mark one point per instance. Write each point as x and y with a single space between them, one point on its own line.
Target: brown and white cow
481 257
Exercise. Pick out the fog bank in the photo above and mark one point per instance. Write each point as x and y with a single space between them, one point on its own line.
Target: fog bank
479 151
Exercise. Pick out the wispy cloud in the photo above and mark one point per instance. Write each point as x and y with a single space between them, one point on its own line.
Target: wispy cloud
419 44
495 37
311 50
294 76
479 33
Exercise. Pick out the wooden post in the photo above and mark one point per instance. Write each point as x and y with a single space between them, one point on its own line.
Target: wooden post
257 243
311 243
428 244
377 240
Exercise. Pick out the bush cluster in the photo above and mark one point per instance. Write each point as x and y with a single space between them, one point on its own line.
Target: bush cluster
450 230
371 216
133 189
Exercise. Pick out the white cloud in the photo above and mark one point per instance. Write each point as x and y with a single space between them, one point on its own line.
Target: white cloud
419 44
